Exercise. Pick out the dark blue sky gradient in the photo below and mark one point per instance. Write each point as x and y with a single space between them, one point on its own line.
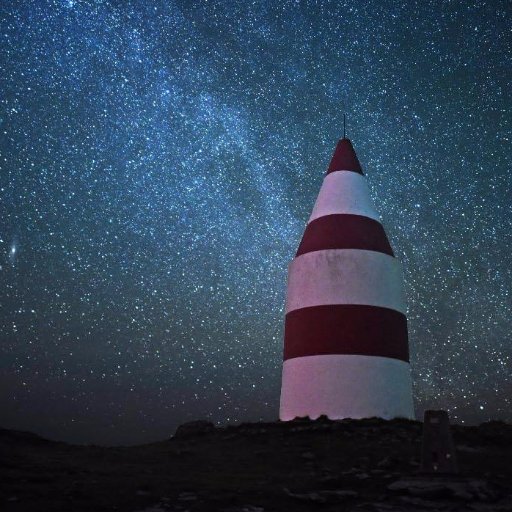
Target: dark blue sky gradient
159 160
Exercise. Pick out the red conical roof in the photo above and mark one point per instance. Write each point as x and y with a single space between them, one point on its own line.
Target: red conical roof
344 158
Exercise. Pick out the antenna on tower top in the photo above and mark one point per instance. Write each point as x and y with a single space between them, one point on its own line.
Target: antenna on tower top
344 125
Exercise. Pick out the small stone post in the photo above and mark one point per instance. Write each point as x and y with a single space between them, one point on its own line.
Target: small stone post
438 453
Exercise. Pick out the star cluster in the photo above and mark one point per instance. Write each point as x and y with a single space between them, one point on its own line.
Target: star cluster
159 160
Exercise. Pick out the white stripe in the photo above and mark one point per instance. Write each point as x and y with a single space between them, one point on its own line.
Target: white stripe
346 386
344 192
345 276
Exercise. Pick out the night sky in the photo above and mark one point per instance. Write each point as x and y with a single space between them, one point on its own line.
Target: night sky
159 161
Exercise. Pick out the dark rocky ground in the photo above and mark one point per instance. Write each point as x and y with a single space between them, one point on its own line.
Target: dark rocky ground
366 465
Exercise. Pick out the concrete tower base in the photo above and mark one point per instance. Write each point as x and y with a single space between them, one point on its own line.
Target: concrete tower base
346 386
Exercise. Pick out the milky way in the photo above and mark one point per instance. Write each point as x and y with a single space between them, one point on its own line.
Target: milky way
159 161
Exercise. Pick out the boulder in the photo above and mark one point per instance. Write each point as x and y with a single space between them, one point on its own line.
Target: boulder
195 428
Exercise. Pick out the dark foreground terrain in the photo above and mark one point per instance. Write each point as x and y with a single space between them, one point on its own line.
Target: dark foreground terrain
367 465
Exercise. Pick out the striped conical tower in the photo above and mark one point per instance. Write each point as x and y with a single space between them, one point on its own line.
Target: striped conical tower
345 348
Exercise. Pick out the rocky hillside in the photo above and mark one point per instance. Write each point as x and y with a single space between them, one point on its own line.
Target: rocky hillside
367 465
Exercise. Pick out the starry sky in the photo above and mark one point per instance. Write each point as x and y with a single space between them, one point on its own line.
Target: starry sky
159 161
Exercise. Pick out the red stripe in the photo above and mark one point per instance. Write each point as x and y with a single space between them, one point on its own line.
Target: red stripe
344 231
344 158
346 329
